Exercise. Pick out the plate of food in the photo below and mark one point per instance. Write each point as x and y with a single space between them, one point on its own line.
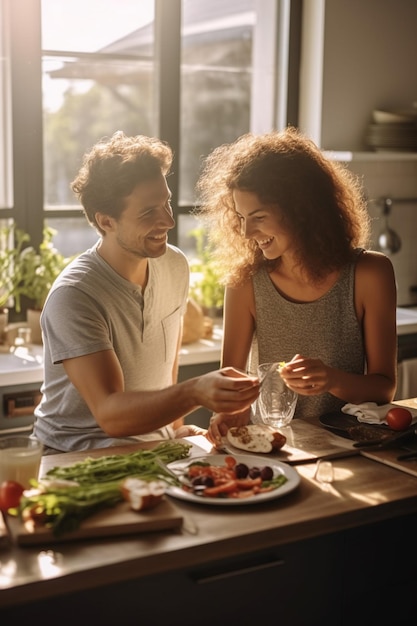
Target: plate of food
231 480
253 438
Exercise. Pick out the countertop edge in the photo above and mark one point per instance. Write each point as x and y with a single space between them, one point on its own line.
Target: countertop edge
195 554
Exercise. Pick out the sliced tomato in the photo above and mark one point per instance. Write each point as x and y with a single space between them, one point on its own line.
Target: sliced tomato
217 472
230 461
249 483
10 494
219 490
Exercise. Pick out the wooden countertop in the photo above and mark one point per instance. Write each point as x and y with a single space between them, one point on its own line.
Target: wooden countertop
364 491
203 350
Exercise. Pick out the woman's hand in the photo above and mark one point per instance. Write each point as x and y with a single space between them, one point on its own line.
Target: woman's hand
189 430
221 422
306 376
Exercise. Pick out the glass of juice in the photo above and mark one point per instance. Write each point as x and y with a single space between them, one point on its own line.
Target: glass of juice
20 459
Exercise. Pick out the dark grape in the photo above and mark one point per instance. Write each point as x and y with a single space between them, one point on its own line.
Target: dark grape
241 470
254 472
205 481
267 473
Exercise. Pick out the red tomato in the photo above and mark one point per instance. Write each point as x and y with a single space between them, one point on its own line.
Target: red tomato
399 418
10 494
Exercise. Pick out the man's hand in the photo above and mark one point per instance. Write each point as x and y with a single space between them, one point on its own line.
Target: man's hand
226 390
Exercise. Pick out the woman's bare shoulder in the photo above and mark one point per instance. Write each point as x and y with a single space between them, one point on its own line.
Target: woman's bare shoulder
373 261
241 295
375 279
244 289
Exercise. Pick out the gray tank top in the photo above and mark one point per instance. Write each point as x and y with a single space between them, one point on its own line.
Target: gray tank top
327 329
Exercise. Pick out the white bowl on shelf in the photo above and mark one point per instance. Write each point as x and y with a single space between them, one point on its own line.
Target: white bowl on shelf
392 117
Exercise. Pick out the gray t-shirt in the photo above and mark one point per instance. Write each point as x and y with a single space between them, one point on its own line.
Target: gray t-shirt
92 308
327 329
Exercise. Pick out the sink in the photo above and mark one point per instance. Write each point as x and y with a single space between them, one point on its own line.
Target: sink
406 320
11 362
406 315
23 365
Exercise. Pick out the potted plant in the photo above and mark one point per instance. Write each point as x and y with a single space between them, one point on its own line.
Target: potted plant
38 269
206 287
10 251
29 273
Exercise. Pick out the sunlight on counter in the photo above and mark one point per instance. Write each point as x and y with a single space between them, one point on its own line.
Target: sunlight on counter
203 350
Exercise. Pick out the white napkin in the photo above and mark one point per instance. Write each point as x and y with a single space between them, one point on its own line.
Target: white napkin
372 413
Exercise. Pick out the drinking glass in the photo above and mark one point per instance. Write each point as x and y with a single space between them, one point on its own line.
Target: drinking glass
276 402
324 472
20 459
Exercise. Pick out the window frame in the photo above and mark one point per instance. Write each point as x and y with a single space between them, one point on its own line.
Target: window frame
28 210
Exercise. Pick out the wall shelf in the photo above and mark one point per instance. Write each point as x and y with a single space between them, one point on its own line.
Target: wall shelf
386 155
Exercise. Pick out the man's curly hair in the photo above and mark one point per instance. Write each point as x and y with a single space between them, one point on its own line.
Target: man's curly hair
112 169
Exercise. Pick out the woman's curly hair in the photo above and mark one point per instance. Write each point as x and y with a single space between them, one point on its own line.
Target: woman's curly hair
320 202
112 169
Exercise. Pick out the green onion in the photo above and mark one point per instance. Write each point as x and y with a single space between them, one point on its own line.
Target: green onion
98 485
119 466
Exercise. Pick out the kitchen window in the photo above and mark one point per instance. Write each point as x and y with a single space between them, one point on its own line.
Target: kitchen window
5 122
196 73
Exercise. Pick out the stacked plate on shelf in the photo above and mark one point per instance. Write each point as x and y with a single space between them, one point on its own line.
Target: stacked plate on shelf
393 131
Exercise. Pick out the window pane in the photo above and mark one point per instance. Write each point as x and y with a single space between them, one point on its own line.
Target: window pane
216 75
234 79
187 224
97 78
6 199
73 235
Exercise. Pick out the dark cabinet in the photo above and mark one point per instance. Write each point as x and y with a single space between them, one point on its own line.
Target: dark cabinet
294 585
362 576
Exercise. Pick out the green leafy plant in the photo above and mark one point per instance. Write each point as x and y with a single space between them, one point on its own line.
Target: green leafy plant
205 285
10 253
27 272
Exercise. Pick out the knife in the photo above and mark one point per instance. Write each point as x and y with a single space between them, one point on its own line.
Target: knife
342 454
407 456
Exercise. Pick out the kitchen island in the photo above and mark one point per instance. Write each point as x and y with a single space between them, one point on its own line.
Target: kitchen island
340 553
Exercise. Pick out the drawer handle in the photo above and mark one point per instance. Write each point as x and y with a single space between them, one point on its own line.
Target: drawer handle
21 405
222 575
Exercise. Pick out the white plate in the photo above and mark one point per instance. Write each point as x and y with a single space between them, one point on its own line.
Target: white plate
226 446
293 479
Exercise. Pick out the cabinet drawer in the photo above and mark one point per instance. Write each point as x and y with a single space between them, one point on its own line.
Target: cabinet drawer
296 585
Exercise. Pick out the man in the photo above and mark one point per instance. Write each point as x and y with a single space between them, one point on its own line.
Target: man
112 321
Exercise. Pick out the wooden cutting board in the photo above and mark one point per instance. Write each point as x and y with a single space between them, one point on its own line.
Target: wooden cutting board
305 437
389 457
119 520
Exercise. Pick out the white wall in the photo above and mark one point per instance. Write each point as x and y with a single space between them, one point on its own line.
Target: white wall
370 62
396 179
368 50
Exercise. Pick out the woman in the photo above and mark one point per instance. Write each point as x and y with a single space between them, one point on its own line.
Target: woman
290 230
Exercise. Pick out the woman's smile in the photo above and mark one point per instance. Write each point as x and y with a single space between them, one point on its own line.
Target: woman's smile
265 243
